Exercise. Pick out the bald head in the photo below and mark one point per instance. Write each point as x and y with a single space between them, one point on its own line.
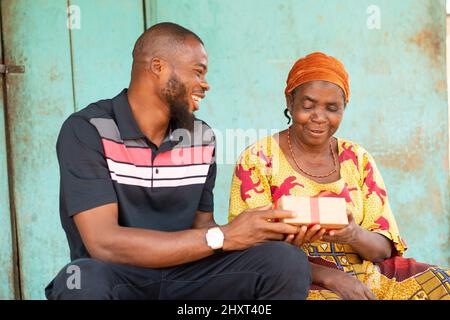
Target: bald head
161 40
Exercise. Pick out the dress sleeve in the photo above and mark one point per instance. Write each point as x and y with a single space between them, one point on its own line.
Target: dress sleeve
378 216
250 185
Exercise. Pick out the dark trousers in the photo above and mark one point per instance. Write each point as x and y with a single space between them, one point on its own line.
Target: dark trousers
273 270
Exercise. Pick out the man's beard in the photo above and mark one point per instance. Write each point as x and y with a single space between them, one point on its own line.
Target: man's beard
176 94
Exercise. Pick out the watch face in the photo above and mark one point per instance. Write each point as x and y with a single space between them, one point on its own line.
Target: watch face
214 238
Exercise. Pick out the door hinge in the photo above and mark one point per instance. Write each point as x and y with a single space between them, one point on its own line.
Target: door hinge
4 68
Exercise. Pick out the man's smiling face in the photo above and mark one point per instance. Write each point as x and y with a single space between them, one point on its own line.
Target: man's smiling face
186 84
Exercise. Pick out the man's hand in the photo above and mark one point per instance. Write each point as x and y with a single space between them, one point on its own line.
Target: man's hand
306 235
254 226
349 288
347 235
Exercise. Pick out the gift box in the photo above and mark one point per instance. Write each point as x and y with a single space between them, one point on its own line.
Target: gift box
330 213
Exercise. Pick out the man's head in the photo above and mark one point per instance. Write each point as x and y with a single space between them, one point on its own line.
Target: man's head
171 62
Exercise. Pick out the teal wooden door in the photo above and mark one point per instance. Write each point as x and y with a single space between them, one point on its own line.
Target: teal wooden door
65 70
251 45
38 101
6 241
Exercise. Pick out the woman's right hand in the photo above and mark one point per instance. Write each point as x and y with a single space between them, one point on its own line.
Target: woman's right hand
349 287
306 235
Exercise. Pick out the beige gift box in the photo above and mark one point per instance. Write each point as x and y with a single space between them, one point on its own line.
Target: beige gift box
330 213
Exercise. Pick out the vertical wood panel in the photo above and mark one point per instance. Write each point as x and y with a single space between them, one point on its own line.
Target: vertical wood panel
36 35
102 47
151 12
6 245
42 100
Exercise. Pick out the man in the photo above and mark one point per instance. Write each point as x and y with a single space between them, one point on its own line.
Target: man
136 200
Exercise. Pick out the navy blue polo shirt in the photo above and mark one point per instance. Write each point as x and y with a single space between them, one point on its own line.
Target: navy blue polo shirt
105 158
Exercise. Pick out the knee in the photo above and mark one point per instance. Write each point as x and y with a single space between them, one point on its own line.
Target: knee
285 270
82 279
285 259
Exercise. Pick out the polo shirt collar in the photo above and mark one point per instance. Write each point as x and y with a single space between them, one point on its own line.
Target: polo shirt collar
128 127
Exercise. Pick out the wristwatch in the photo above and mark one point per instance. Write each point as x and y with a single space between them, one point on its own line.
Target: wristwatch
214 239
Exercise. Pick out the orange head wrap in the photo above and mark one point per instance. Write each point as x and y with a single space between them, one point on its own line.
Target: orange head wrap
318 66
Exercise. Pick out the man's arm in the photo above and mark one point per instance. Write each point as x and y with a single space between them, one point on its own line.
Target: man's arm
106 240
204 220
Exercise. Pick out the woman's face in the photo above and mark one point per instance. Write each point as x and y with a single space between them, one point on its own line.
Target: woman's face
317 108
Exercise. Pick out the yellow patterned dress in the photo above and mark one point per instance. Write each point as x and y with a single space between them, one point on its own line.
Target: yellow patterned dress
262 175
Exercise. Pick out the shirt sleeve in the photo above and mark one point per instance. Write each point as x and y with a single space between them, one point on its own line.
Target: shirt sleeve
378 216
206 203
250 185
84 176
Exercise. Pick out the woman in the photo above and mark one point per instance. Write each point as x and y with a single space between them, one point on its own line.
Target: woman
363 260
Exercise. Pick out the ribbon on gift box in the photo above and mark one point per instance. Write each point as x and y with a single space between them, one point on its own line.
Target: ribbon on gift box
315 213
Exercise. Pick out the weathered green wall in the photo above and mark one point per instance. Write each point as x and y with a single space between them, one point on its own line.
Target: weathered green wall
398 108
6 252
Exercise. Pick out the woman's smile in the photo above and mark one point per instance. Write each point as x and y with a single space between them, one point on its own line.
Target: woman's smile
317 132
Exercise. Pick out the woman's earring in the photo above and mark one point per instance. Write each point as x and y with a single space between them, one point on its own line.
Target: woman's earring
287 115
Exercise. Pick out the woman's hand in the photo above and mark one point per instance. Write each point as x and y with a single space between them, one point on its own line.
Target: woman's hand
350 288
341 283
306 235
347 235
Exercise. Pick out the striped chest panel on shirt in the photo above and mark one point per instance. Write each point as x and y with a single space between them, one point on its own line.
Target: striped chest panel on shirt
131 162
